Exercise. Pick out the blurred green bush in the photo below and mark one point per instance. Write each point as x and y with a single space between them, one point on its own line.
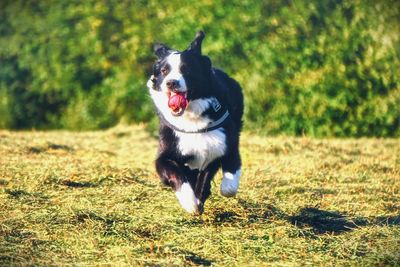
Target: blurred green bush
321 68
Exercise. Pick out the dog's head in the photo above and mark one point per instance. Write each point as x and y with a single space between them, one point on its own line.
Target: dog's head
181 76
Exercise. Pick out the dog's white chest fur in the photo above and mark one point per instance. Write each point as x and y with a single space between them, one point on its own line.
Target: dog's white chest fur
205 147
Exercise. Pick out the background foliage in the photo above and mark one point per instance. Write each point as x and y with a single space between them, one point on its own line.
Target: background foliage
323 68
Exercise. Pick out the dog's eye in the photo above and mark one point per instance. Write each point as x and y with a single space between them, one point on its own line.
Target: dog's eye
184 69
164 71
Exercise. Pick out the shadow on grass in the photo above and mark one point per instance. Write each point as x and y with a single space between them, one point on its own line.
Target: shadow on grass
25 196
191 258
316 220
111 176
75 184
322 221
195 259
49 146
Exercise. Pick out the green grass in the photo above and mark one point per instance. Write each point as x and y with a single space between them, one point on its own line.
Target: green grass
93 198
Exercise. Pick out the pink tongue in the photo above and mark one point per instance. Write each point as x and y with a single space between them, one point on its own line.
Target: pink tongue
176 102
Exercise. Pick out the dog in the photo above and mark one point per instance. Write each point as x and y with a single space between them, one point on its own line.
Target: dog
200 110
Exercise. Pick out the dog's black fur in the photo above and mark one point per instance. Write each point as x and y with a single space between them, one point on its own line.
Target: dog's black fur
202 82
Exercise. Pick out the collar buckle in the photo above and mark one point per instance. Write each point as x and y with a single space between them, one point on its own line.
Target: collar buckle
216 105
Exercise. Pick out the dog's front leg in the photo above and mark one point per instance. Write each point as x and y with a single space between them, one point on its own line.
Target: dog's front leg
171 173
203 183
231 173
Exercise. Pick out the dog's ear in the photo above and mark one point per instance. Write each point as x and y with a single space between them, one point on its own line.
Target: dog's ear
206 62
161 50
195 46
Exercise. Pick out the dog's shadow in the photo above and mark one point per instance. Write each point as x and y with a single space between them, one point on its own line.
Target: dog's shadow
322 221
314 219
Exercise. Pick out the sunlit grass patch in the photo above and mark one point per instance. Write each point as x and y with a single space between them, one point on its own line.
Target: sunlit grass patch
93 198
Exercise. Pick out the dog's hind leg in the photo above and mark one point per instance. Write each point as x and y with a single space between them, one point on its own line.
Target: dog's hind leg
231 173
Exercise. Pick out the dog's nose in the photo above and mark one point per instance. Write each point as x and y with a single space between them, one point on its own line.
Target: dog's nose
172 84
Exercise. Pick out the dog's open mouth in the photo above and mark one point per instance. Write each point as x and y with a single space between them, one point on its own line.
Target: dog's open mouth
177 102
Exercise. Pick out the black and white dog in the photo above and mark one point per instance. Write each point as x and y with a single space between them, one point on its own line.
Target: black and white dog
200 110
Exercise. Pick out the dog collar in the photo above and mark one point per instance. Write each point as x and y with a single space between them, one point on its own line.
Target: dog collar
216 106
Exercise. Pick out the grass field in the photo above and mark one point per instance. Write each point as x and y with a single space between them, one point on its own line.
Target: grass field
93 198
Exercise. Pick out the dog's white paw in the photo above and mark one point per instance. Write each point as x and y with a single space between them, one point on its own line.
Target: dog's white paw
230 184
187 199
